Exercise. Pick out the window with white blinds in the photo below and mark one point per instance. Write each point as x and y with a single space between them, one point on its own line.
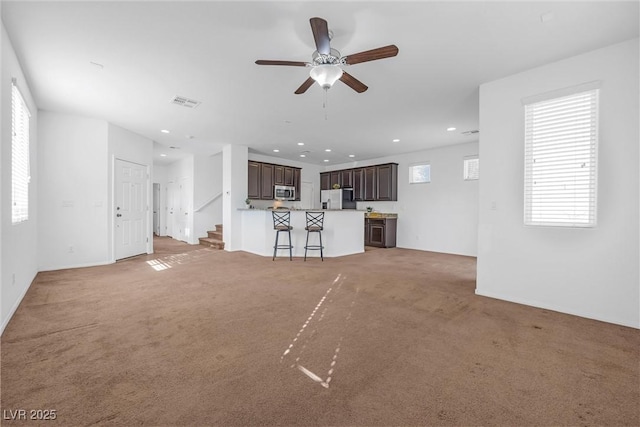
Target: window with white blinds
471 168
19 157
561 141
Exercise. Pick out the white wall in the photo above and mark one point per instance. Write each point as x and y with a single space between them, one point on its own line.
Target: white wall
180 177
587 272
18 250
159 176
207 185
440 216
76 177
74 196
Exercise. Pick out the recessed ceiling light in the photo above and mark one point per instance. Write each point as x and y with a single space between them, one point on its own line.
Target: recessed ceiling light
328 150
163 155
451 129
164 131
276 151
300 143
396 140
352 155
326 160
303 155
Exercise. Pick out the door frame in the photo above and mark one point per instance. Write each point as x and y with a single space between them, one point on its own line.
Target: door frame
149 201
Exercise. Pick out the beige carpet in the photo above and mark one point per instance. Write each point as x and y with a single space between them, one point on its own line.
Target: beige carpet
195 336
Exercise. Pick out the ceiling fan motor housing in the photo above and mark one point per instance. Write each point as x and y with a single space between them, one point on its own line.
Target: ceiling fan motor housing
333 58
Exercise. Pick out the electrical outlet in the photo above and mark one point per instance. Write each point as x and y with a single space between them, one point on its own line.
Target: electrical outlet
71 249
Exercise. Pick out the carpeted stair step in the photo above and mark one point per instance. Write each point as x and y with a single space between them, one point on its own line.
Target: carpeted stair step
211 242
215 234
214 239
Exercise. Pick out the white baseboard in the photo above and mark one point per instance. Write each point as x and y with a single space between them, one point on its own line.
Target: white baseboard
13 309
552 307
66 267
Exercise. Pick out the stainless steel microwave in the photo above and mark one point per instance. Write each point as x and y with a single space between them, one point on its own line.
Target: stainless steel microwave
284 192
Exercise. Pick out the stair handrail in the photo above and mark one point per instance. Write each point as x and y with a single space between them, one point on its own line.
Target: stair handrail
205 204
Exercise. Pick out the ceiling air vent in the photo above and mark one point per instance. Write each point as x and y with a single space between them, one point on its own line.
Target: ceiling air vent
185 102
470 132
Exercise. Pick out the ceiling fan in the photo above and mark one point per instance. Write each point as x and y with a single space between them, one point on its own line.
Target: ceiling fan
326 63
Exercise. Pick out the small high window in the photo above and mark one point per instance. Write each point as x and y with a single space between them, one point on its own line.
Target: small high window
420 173
471 168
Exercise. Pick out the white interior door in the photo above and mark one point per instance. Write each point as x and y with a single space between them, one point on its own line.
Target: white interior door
184 210
131 234
156 209
170 208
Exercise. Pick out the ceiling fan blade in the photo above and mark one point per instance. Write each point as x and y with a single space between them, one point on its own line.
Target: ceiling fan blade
304 86
320 35
353 83
291 63
372 55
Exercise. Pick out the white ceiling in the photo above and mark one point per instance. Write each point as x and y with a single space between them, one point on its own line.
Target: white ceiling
152 51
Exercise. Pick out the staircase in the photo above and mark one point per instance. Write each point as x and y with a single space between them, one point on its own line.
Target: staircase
215 238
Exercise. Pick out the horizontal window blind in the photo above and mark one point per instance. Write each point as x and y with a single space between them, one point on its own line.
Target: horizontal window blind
19 157
471 168
561 138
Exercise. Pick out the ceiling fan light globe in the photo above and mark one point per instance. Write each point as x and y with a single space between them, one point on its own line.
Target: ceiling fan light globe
326 74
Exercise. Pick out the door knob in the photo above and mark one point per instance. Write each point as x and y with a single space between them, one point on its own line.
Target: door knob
118 215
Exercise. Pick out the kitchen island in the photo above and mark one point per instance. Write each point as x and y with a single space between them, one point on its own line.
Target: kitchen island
343 232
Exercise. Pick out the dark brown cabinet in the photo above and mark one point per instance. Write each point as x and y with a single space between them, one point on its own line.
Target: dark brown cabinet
380 232
288 176
334 178
387 182
358 184
346 178
296 182
253 191
369 183
266 181
278 175
263 176
325 181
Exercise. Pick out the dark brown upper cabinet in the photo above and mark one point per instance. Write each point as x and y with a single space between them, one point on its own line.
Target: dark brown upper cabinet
253 191
296 181
288 176
266 186
334 178
346 178
263 176
325 181
387 182
358 184
278 175
370 183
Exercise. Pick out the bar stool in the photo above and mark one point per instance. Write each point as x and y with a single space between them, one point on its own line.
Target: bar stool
281 225
315 222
